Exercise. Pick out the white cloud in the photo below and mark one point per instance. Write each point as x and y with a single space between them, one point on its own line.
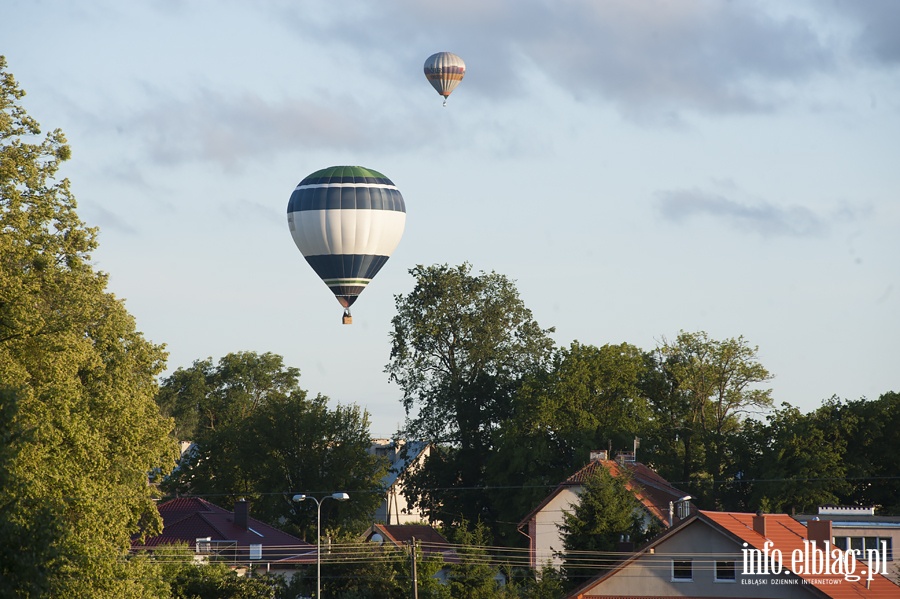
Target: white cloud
760 217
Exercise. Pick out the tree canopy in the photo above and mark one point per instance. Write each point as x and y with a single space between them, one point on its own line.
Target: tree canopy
249 410
79 428
460 346
460 343
701 392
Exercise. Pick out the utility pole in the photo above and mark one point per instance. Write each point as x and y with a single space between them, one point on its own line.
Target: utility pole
415 580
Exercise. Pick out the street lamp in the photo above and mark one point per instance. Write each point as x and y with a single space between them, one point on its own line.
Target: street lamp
336 497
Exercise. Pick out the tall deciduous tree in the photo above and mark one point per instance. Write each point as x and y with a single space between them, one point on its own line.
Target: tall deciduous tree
80 431
588 398
460 345
796 461
248 411
707 388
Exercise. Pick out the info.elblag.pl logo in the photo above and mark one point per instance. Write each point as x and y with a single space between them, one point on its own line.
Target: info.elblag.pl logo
813 561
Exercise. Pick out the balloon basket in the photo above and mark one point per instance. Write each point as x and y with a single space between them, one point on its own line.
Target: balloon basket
346 318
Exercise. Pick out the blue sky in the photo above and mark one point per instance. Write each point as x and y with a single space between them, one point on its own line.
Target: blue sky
639 168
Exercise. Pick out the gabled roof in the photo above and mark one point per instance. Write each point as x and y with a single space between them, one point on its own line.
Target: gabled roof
187 519
785 534
431 541
649 488
788 535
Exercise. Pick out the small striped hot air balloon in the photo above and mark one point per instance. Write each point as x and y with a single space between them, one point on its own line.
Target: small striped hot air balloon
444 71
346 221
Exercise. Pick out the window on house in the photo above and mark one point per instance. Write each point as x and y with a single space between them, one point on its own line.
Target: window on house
861 543
879 544
255 551
203 544
726 571
682 570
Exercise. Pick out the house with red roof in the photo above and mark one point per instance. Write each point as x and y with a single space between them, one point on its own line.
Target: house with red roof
427 539
232 537
728 554
660 504
430 541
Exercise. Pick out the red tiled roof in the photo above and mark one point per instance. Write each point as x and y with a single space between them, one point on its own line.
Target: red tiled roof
430 540
653 491
186 519
787 535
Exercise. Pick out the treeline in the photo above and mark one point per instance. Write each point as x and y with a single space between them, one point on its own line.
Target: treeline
510 416
509 410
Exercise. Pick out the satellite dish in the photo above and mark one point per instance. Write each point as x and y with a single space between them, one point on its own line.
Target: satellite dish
377 539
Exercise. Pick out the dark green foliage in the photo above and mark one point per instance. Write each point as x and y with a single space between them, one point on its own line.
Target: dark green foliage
797 460
249 410
841 453
475 576
872 450
588 398
460 346
606 512
701 392
217 581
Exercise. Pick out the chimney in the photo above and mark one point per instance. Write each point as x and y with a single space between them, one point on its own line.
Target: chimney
819 531
242 514
599 454
759 523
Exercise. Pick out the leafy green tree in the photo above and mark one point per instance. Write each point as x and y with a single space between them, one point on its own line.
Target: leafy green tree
367 573
587 399
547 583
218 581
592 396
707 388
872 449
250 410
80 431
184 578
606 511
460 346
205 397
474 577
798 459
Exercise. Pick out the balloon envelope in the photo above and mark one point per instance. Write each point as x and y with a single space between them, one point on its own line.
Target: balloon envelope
346 221
444 71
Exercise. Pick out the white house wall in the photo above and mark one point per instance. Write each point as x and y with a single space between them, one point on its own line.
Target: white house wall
548 539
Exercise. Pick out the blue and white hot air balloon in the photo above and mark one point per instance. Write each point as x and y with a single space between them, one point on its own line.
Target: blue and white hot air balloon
346 221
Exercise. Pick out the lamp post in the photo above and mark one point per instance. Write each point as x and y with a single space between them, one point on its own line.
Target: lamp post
336 497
